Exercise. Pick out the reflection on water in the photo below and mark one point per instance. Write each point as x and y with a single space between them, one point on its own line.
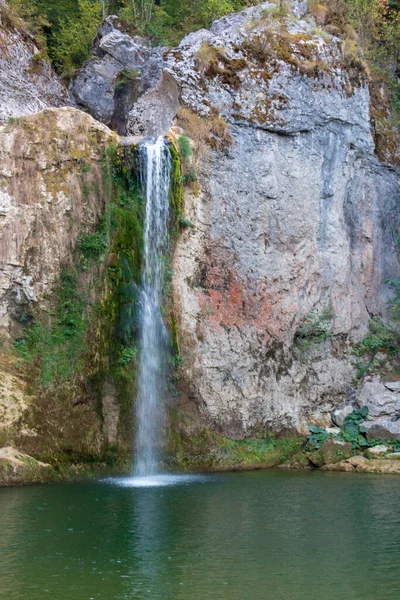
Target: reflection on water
245 536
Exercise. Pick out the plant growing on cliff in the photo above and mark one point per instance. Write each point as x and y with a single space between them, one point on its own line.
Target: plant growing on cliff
92 246
314 329
56 344
383 337
185 149
75 37
352 432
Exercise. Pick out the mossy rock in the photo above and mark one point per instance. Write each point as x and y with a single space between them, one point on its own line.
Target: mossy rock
331 452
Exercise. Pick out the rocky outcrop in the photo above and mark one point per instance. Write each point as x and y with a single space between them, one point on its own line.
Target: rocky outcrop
331 451
53 190
17 467
360 464
381 396
293 237
43 206
124 84
27 82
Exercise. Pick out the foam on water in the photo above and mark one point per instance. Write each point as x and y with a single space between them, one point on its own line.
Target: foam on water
151 481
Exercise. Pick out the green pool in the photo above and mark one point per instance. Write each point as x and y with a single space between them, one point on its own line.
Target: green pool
242 536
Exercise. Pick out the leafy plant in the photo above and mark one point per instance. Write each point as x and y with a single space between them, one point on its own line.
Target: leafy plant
318 436
185 223
352 432
127 355
125 77
93 245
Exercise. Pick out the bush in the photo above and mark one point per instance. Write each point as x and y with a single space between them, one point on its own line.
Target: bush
185 149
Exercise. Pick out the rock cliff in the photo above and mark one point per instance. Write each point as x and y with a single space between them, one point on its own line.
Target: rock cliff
287 243
295 226
27 82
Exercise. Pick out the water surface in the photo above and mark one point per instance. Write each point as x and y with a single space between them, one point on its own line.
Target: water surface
246 536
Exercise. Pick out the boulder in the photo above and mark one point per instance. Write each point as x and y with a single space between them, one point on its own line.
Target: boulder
382 429
124 85
340 414
331 451
360 464
381 398
17 467
376 451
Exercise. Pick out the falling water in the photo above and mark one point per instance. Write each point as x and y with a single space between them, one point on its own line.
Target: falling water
155 168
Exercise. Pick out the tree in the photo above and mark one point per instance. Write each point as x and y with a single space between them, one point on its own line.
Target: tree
75 37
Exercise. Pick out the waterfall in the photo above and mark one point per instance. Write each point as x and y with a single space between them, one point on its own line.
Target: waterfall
155 170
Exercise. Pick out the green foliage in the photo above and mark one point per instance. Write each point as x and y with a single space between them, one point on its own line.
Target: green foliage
185 149
176 192
186 223
65 29
168 21
75 37
127 355
92 246
56 343
22 349
352 432
125 77
314 329
383 337
318 436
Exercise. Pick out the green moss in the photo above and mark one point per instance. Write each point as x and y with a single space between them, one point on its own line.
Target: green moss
207 451
176 194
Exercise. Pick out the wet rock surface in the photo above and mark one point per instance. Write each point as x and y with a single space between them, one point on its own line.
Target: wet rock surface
360 464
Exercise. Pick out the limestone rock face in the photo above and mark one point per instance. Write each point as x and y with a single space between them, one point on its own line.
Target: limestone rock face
124 84
292 244
51 190
382 398
27 82
42 207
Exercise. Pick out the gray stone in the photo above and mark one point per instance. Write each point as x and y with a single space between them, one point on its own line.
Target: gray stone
393 386
289 221
27 82
145 108
340 414
94 87
382 429
333 430
124 50
154 112
376 451
381 399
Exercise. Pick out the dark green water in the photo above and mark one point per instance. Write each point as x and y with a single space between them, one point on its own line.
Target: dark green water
245 536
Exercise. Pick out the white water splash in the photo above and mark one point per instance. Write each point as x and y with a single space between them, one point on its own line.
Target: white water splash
155 168
157 480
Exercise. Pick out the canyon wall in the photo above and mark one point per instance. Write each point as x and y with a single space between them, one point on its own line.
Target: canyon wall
295 224
287 242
